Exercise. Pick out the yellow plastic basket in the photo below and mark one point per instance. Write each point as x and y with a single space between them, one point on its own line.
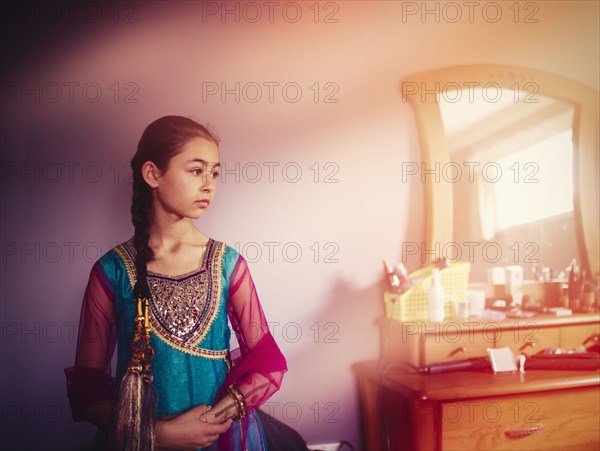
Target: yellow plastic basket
413 305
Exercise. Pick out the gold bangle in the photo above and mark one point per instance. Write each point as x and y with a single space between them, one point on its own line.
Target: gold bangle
239 400
236 402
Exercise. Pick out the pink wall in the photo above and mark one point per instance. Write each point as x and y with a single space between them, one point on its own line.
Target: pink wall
165 57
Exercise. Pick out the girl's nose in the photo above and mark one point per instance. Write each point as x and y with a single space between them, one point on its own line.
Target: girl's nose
209 184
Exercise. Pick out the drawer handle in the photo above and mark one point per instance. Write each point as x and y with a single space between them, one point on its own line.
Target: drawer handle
519 433
527 344
457 350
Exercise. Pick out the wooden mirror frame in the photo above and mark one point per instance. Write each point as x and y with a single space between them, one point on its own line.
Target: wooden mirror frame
421 90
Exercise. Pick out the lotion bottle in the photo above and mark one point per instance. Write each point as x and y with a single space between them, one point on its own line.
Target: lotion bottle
436 297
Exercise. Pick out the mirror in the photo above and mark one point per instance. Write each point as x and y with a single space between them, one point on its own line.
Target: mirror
510 164
512 178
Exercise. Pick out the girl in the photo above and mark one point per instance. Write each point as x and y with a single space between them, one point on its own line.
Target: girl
194 285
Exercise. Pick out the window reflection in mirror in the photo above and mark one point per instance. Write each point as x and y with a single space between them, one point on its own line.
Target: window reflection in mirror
512 173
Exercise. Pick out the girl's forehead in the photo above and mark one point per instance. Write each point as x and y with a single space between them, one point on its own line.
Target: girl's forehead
199 150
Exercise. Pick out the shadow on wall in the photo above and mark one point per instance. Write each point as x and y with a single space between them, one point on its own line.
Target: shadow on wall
326 406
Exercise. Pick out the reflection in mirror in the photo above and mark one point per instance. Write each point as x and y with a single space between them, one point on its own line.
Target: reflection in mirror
511 157
528 157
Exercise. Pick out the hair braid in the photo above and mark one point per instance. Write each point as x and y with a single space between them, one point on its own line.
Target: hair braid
141 213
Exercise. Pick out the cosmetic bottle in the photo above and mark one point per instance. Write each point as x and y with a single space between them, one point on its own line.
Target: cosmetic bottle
436 297
402 273
575 288
392 279
587 304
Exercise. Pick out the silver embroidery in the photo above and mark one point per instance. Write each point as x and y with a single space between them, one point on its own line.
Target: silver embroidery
180 305
183 308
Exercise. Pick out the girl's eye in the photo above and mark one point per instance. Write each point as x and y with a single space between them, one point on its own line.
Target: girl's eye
216 174
196 171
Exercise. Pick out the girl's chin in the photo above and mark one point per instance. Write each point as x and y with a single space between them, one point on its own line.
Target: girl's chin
197 213
192 213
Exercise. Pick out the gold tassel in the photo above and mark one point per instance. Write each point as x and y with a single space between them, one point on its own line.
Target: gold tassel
133 428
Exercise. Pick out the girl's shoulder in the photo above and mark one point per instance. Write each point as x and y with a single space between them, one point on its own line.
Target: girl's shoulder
124 250
229 253
229 249
120 256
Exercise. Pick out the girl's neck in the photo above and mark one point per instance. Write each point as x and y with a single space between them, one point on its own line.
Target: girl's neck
170 236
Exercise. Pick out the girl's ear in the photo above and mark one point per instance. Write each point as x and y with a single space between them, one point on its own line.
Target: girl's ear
151 174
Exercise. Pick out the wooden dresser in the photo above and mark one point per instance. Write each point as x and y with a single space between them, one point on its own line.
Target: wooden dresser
538 410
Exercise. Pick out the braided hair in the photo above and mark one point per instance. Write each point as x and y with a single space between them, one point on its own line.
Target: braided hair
161 140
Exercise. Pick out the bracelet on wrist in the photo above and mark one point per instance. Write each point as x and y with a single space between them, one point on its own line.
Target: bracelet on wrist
239 400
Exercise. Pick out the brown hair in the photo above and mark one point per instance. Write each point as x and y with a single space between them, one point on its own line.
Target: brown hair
161 141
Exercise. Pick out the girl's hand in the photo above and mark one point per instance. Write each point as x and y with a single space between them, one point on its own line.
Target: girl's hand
190 430
224 409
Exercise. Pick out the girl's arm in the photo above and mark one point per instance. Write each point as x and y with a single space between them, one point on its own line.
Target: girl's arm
90 387
258 372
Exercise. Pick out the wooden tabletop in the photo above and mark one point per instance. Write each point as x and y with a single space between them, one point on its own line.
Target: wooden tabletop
466 385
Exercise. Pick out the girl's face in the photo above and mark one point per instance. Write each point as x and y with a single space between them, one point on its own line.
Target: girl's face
187 186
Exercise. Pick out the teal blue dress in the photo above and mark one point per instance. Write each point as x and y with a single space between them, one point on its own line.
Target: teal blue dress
190 332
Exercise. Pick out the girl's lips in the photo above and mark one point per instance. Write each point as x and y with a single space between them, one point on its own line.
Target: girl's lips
202 203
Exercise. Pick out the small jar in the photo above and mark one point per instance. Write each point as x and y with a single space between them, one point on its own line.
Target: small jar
462 310
589 298
564 295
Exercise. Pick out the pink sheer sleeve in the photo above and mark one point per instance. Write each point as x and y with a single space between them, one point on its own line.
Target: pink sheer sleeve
89 381
258 370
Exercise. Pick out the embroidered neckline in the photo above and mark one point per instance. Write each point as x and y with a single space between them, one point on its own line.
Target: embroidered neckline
211 279
188 274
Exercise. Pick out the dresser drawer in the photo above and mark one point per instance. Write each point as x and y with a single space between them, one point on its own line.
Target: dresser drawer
576 335
556 420
423 343
528 338
451 344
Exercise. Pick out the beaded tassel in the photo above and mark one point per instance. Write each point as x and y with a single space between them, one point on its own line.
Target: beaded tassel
133 428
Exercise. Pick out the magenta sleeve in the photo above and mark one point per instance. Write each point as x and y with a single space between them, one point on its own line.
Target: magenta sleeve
89 381
259 368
